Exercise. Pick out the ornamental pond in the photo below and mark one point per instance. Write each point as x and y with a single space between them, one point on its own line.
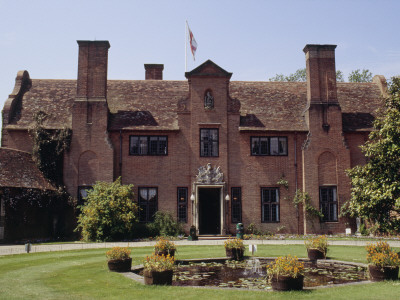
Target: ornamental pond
251 273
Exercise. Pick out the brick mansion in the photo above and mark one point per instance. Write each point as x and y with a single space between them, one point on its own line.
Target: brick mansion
211 151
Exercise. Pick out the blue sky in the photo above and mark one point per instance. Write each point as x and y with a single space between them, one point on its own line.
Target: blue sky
253 39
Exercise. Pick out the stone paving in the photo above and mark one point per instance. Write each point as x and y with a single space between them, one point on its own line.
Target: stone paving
18 249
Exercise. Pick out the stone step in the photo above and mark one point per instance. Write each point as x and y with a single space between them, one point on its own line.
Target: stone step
213 237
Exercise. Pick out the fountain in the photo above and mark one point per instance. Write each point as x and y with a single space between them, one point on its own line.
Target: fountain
253 266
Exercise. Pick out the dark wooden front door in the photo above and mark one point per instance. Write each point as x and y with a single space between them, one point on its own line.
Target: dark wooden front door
210 210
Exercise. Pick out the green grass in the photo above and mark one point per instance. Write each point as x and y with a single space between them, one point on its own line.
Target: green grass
83 274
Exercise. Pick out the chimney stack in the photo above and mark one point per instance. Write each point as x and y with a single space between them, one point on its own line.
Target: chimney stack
154 71
321 74
92 69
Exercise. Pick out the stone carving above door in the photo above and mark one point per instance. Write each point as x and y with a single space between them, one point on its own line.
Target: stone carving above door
209 175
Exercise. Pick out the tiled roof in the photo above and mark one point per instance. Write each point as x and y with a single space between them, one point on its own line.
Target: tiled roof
18 170
153 104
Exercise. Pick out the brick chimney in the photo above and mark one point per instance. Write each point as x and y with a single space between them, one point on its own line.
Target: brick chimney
154 71
321 74
92 69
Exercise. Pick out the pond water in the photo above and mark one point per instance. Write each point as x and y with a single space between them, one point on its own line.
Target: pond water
252 274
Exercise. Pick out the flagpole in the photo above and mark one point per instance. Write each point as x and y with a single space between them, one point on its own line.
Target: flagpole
186 46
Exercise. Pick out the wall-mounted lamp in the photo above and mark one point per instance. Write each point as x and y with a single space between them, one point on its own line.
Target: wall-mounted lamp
227 198
192 197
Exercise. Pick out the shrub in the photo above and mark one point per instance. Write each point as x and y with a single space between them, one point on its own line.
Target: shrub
118 253
285 266
252 229
165 225
159 263
381 255
234 243
320 243
164 245
109 212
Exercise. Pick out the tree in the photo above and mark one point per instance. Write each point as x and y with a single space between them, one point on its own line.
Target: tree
109 212
339 76
360 76
301 75
375 194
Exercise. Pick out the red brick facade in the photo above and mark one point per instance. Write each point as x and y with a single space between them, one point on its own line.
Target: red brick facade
245 135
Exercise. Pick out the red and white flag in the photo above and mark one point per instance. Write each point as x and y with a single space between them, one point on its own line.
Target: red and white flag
193 43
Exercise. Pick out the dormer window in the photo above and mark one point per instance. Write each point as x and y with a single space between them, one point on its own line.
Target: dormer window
208 100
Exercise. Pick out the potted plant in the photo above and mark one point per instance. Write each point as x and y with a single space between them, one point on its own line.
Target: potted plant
317 247
164 247
158 269
234 248
383 262
119 259
286 273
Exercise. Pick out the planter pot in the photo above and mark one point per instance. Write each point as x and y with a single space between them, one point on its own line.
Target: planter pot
153 277
314 254
235 253
165 253
287 283
120 265
383 273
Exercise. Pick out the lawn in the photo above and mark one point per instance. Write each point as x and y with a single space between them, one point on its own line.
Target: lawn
83 274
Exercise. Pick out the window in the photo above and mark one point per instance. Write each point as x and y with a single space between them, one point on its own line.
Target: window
208 142
82 193
236 193
148 145
270 205
147 204
182 204
328 203
262 145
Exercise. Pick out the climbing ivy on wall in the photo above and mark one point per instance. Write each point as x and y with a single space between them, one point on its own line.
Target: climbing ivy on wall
48 148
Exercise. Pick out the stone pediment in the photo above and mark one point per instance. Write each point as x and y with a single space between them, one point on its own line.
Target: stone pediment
209 175
208 69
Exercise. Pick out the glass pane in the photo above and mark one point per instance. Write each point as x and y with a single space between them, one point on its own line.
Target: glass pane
153 145
143 145
143 195
266 215
283 146
214 150
273 212
134 145
273 196
334 209
162 144
255 147
214 134
152 194
274 149
264 146
204 134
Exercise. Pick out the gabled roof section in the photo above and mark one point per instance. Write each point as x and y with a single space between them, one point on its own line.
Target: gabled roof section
18 170
153 104
208 69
